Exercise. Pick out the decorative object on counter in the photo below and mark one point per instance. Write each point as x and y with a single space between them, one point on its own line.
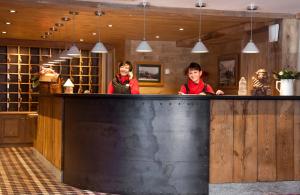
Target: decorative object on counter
68 86
149 73
228 67
144 47
286 79
56 87
251 47
47 75
260 83
48 81
199 46
242 86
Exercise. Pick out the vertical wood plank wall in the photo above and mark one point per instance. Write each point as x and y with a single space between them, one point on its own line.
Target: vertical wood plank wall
254 140
48 139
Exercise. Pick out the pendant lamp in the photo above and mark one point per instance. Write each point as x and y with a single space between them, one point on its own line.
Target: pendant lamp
52 57
199 46
99 47
64 54
57 57
144 47
74 51
251 47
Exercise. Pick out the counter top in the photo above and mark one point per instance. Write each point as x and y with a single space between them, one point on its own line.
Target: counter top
178 97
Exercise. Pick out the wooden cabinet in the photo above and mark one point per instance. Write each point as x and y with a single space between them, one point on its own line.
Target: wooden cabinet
20 65
17 128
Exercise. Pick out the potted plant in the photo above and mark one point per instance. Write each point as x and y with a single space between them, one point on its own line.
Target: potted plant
286 78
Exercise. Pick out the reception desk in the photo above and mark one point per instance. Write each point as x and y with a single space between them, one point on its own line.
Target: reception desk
146 144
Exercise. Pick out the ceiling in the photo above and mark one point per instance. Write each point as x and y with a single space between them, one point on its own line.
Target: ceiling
274 6
34 17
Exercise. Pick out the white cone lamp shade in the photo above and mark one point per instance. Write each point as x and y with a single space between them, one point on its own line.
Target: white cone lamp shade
143 47
99 48
68 83
52 61
64 55
250 48
199 48
58 59
74 51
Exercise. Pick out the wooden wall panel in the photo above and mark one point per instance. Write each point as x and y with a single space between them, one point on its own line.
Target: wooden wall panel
266 141
49 133
48 139
285 140
57 131
245 141
221 141
297 140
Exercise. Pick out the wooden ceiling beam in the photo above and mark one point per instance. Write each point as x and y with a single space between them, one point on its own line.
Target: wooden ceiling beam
48 44
84 5
233 30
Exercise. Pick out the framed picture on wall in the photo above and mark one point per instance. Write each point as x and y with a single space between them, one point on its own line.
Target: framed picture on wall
149 73
228 71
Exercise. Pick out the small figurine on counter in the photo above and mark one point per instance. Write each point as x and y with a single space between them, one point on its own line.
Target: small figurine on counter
260 83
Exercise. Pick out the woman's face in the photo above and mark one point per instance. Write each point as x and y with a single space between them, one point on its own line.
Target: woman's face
124 70
195 75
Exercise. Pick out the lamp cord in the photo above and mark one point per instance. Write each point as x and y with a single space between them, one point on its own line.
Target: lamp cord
73 28
200 23
99 28
144 4
251 20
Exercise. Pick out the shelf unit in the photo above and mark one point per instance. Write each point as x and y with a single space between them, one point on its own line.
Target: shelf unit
18 65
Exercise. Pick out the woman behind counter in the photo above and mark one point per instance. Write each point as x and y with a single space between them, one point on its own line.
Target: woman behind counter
195 84
124 83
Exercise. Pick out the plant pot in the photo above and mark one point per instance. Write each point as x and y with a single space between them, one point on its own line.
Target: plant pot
286 86
44 87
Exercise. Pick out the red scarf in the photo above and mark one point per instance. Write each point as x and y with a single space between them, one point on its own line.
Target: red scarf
122 79
195 88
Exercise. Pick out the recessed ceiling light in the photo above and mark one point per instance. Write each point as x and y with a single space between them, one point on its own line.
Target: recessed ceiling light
12 11
81 40
65 19
157 36
4 32
53 29
94 34
8 23
59 24
181 29
48 33
110 25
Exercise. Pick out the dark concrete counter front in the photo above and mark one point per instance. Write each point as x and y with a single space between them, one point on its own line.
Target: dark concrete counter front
151 144
136 145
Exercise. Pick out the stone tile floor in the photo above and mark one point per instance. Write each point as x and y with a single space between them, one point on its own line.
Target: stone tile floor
21 173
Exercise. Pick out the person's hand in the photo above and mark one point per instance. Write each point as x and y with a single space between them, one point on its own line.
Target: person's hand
220 92
181 93
130 75
202 93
